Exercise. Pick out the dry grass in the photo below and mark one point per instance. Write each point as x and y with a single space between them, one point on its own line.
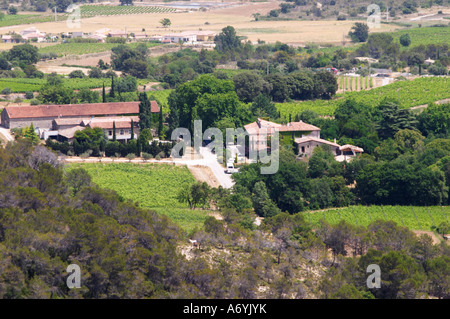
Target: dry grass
239 16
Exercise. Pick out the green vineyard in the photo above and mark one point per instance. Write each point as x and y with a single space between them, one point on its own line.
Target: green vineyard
420 91
108 10
153 186
72 48
413 217
21 85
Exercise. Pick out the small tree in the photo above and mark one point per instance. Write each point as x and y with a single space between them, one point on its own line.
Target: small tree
12 10
360 32
132 130
165 22
405 40
131 156
30 134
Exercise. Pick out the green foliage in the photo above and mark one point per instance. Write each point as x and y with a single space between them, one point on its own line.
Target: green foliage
401 215
23 53
408 94
30 134
206 98
162 181
227 40
359 33
145 112
405 40
165 22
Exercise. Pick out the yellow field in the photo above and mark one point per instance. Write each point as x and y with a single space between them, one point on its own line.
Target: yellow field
238 16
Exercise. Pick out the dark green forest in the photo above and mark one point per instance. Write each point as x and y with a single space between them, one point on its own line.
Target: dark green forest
50 218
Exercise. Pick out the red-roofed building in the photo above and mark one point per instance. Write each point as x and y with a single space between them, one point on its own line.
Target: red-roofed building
259 130
306 136
43 116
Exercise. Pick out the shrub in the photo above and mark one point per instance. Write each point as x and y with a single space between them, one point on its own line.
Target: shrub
146 156
77 74
161 154
6 91
157 157
29 95
131 156
35 102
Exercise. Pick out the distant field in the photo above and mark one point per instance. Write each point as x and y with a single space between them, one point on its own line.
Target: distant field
17 19
408 93
415 218
20 85
85 48
153 186
108 10
425 36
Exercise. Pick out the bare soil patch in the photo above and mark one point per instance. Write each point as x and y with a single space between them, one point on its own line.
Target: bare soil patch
434 237
204 174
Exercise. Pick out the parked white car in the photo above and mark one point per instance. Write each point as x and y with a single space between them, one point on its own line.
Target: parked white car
231 169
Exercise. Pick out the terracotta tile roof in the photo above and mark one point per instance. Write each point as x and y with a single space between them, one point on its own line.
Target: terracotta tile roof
108 122
68 121
351 147
254 127
76 110
304 139
70 132
298 126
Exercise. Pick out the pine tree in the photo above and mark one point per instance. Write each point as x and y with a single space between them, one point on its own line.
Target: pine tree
111 92
114 132
103 93
30 134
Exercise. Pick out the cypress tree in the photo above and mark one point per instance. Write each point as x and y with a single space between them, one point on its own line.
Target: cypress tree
114 132
111 92
145 113
103 93
132 129
160 123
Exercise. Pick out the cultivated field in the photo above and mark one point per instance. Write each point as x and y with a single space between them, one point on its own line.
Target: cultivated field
408 93
415 218
153 186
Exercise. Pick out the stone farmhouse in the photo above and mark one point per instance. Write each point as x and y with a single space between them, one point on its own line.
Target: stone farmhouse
304 135
64 120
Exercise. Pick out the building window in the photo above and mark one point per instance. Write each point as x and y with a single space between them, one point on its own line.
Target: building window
109 133
121 132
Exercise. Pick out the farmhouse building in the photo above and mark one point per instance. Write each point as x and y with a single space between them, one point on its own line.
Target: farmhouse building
67 115
121 124
304 135
307 144
258 131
